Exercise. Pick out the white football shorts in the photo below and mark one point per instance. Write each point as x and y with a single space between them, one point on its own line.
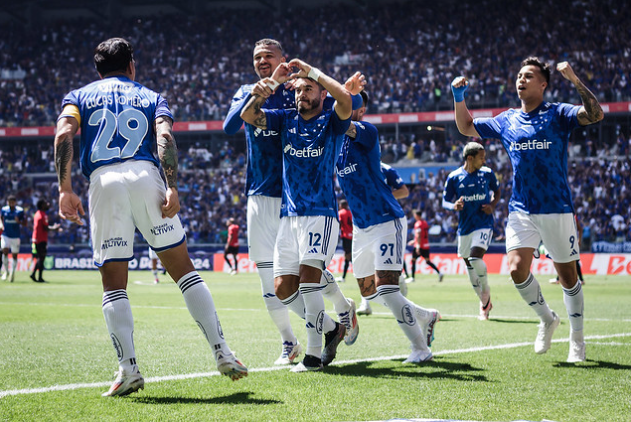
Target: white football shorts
304 238
12 243
480 238
263 221
379 247
125 196
556 231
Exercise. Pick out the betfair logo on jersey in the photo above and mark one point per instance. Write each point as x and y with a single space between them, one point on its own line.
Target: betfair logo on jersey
162 229
303 152
531 144
475 197
351 168
115 242
258 132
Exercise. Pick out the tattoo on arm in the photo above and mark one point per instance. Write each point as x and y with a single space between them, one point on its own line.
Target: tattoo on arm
63 158
167 152
593 111
352 131
255 103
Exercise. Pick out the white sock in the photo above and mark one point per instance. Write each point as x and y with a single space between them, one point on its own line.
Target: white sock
573 299
365 303
530 291
479 269
120 325
333 294
376 298
421 312
276 309
5 263
296 303
404 314
14 265
200 305
314 308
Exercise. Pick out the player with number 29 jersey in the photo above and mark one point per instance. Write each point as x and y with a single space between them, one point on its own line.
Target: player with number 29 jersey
116 115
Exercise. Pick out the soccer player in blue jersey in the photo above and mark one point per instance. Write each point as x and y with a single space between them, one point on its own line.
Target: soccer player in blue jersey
540 208
311 137
472 190
12 219
120 121
264 183
399 191
379 230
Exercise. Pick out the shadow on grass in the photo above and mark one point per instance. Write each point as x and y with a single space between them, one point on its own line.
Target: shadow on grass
593 364
235 398
513 321
434 369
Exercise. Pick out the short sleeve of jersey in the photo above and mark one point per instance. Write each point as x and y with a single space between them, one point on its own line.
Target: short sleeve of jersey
162 108
449 193
493 183
274 119
70 98
339 126
568 116
489 127
367 134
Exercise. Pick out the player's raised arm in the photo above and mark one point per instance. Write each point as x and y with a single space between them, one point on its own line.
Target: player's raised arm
343 102
591 112
252 112
70 207
464 120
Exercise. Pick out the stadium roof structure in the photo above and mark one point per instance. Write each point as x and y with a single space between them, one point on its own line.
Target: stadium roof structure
30 12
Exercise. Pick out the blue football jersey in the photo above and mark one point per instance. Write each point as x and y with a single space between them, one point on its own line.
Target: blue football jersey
10 219
361 178
310 149
264 170
476 189
536 143
392 177
117 116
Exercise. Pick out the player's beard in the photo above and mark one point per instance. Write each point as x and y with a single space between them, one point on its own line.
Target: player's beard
308 105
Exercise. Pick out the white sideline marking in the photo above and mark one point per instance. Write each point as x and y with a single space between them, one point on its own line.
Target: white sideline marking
67 387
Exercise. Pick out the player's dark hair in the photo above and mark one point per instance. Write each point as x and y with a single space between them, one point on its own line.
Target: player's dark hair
343 203
543 67
269 41
471 149
11 198
113 55
365 97
322 88
418 212
41 204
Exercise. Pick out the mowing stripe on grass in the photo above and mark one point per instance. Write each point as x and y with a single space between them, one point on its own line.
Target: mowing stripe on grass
67 387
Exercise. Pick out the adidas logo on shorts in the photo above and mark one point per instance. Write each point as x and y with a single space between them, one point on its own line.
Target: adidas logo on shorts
314 250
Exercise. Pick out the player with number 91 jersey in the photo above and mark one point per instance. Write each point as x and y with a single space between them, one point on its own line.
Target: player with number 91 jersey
116 116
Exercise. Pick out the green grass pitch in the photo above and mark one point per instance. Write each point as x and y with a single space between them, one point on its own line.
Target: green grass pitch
56 357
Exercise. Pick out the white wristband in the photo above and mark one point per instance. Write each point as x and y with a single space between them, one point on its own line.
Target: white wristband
273 84
314 74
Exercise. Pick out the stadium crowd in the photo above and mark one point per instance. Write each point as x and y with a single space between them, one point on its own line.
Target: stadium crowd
409 52
212 190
